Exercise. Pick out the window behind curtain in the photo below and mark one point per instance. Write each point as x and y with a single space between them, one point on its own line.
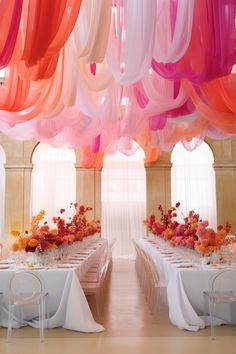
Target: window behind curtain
53 181
193 181
123 200
2 190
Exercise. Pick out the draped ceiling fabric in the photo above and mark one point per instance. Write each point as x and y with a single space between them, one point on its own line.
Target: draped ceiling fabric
71 64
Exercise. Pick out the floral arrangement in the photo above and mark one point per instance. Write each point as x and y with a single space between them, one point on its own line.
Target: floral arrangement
209 240
41 237
192 232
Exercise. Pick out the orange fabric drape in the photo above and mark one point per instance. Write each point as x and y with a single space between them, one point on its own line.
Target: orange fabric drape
48 25
215 102
92 159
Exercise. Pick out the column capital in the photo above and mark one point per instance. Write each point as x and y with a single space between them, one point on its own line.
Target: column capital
158 166
224 165
16 167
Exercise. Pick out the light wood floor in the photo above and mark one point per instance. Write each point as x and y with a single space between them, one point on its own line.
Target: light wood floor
130 328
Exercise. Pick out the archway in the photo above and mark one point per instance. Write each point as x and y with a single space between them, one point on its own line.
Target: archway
123 200
193 181
2 189
53 180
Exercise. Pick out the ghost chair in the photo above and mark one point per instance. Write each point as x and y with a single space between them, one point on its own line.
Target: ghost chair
26 290
222 290
151 283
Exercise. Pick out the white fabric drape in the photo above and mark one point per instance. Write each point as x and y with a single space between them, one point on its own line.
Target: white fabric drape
123 201
193 181
2 191
53 181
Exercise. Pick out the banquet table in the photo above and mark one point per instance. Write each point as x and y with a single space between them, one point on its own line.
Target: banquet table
186 282
66 303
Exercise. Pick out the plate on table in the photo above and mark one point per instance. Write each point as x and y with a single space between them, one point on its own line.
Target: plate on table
30 267
177 261
4 266
183 265
7 261
65 266
71 261
36 267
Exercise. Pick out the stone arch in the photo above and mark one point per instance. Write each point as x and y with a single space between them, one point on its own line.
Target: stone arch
193 181
53 184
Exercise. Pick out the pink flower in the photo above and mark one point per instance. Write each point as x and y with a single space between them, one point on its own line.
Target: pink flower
201 229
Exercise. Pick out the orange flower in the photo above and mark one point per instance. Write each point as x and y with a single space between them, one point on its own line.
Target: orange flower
33 242
15 233
22 242
51 246
15 247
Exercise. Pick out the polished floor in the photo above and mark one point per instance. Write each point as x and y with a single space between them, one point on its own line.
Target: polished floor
130 328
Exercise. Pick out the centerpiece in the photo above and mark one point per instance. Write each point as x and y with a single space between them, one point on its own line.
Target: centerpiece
192 232
42 243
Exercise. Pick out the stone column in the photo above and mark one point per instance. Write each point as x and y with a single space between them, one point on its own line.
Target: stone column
226 192
85 187
158 186
98 194
17 196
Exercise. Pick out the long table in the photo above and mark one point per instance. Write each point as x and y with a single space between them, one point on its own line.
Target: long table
186 283
66 302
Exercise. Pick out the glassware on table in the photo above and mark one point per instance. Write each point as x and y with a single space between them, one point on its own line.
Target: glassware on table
215 258
228 253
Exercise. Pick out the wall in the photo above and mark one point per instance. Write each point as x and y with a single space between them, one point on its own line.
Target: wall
18 182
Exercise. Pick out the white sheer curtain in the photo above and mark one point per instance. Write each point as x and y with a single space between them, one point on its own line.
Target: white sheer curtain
123 200
53 181
2 190
193 181
2 73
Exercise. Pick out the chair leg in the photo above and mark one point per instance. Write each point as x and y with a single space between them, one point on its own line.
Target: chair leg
10 319
234 313
99 303
212 308
157 301
41 320
152 298
46 306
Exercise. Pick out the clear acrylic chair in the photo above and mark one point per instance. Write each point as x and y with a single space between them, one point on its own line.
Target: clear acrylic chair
154 288
222 290
94 280
26 289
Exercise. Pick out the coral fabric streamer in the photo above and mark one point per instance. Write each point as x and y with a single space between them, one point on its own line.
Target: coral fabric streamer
48 26
9 26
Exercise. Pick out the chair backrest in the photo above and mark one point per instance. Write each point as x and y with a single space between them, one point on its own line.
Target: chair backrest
102 265
111 243
224 280
25 286
137 247
147 262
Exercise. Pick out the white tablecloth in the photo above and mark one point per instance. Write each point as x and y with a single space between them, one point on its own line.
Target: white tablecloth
185 287
67 304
